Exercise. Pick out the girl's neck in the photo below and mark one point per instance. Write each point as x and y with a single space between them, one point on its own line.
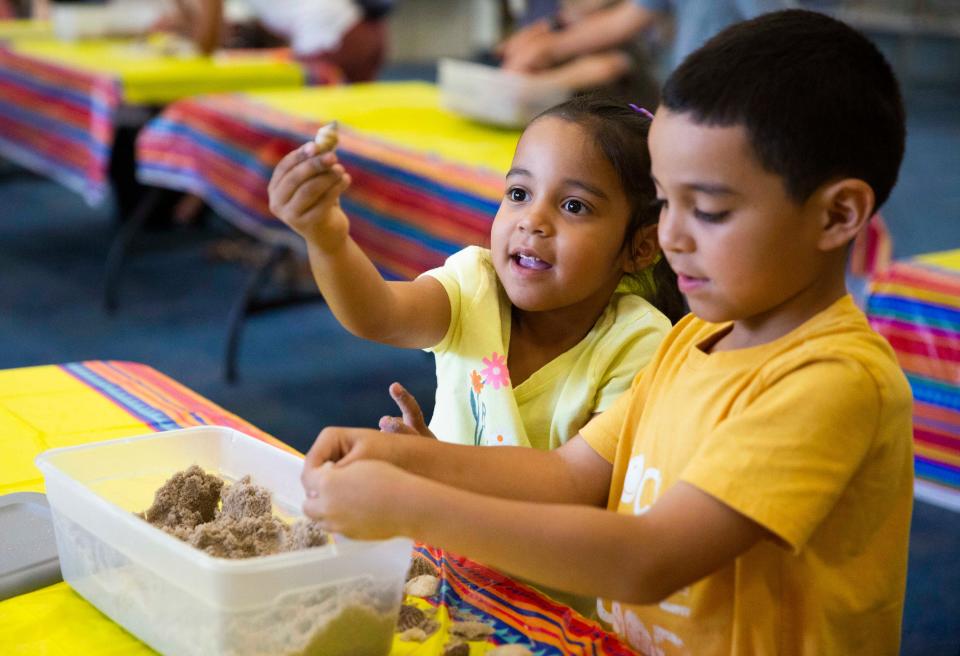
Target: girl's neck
537 338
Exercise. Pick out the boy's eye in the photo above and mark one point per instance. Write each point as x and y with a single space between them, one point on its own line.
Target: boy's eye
710 217
573 206
517 195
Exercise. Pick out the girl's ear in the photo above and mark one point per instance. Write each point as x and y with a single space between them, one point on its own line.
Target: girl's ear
643 250
848 205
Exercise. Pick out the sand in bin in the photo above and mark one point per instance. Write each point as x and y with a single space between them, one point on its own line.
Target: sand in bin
237 521
227 521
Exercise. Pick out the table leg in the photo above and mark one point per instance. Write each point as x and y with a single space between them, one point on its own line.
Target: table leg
250 303
122 242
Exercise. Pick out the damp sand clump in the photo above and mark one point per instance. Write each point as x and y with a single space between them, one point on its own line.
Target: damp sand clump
227 520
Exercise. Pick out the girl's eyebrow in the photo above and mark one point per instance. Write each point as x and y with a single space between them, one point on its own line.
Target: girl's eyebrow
570 182
589 188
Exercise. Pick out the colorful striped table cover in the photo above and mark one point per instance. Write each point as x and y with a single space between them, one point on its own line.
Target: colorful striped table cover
915 304
59 101
426 182
64 405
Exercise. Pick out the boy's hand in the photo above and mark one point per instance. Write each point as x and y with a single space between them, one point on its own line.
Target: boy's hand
412 421
366 500
345 445
305 194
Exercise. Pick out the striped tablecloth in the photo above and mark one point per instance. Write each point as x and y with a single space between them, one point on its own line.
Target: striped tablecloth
54 406
59 101
425 181
915 304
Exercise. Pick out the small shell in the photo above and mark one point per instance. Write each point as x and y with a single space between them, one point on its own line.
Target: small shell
416 634
410 617
471 630
420 566
424 585
456 648
327 137
510 650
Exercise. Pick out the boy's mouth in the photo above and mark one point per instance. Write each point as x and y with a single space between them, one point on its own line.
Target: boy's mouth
528 260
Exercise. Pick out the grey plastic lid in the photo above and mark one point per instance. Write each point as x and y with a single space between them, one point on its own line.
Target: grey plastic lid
28 549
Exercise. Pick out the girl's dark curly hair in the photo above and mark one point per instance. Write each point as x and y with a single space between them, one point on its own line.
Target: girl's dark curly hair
621 133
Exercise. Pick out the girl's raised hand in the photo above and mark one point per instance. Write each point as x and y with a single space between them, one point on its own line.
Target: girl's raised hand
305 193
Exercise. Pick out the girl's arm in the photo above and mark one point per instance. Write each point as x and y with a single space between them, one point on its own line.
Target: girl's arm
642 559
305 194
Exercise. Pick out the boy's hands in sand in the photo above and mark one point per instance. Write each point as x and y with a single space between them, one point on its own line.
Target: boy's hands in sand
305 194
342 446
364 500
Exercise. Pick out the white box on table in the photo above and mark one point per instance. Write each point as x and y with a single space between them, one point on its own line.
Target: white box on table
180 600
493 95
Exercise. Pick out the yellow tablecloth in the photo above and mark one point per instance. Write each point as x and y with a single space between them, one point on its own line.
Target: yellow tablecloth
149 77
23 29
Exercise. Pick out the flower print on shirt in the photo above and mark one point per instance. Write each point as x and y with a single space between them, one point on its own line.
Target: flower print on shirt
496 373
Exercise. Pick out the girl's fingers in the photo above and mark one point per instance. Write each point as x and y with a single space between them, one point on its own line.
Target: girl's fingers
289 161
319 190
301 168
396 425
412 413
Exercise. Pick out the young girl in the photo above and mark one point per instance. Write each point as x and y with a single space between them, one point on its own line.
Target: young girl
544 329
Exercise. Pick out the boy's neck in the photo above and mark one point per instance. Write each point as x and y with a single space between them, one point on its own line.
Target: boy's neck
791 313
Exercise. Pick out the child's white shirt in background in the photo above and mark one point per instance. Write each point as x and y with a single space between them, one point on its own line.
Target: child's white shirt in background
311 26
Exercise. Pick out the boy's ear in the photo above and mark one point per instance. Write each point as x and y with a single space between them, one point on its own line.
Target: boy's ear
643 249
848 204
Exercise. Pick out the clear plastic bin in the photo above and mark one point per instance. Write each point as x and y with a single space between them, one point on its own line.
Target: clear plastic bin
493 95
341 598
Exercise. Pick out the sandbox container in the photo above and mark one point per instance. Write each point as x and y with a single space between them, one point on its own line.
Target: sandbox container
341 598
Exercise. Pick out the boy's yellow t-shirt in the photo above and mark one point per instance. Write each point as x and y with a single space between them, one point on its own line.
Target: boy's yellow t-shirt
476 402
809 436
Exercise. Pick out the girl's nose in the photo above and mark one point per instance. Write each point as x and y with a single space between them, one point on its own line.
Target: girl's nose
536 222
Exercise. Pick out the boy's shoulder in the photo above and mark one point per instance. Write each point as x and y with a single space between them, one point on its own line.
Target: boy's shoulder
841 333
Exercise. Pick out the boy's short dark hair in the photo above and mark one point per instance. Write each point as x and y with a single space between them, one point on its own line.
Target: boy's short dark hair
817 99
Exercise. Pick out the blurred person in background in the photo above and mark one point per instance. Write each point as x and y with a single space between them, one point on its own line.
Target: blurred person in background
347 34
571 32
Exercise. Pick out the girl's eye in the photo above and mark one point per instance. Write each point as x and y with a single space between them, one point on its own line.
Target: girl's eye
517 195
710 217
573 206
659 204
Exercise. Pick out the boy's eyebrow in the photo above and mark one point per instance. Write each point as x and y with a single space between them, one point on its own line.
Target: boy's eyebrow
517 171
706 188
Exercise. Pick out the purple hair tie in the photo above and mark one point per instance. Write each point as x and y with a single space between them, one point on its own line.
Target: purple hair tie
640 110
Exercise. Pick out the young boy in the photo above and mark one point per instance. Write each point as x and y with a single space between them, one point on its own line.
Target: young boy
760 469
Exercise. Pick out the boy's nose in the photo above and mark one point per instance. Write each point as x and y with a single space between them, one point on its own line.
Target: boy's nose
671 233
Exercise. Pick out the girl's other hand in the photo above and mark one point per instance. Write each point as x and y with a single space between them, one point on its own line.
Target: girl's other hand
305 193
365 500
412 421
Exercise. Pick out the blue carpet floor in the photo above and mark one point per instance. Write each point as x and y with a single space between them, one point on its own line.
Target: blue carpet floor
300 371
